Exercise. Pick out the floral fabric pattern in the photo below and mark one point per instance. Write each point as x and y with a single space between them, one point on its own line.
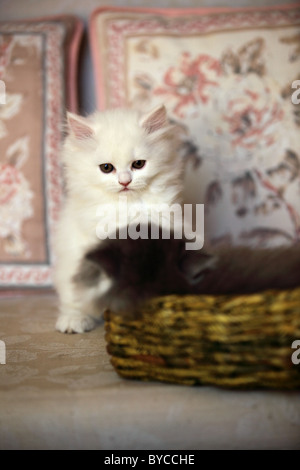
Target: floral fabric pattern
30 181
38 68
15 199
226 80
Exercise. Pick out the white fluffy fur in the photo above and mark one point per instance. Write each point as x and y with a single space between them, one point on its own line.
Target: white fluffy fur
119 137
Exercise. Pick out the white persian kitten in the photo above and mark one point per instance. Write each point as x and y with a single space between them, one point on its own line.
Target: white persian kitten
107 155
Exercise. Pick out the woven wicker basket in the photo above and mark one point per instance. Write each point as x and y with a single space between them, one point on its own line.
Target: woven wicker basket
227 341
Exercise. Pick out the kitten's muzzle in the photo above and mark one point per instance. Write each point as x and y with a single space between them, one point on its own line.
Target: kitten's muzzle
125 188
124 178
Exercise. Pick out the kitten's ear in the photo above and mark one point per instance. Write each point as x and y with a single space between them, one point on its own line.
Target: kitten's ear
78 127
195 264
106 258
154 120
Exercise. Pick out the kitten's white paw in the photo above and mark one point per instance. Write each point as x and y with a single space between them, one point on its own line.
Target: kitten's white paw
75 323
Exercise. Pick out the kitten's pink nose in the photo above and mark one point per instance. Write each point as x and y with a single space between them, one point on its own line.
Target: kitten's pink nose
124 179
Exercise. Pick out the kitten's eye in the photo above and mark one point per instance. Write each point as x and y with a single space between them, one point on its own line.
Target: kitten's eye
138 164
106 167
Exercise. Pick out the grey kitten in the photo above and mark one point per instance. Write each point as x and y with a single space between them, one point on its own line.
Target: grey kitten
144 268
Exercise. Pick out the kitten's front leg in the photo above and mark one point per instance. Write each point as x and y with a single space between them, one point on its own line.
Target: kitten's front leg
75 320
74 317
77 307
78 312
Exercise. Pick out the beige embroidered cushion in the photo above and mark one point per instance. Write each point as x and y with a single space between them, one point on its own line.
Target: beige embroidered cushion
225 76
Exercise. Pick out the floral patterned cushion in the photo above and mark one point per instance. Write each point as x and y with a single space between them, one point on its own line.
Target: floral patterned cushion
37 72
225 76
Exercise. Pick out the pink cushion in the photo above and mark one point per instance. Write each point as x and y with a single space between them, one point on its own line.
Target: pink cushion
38 66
